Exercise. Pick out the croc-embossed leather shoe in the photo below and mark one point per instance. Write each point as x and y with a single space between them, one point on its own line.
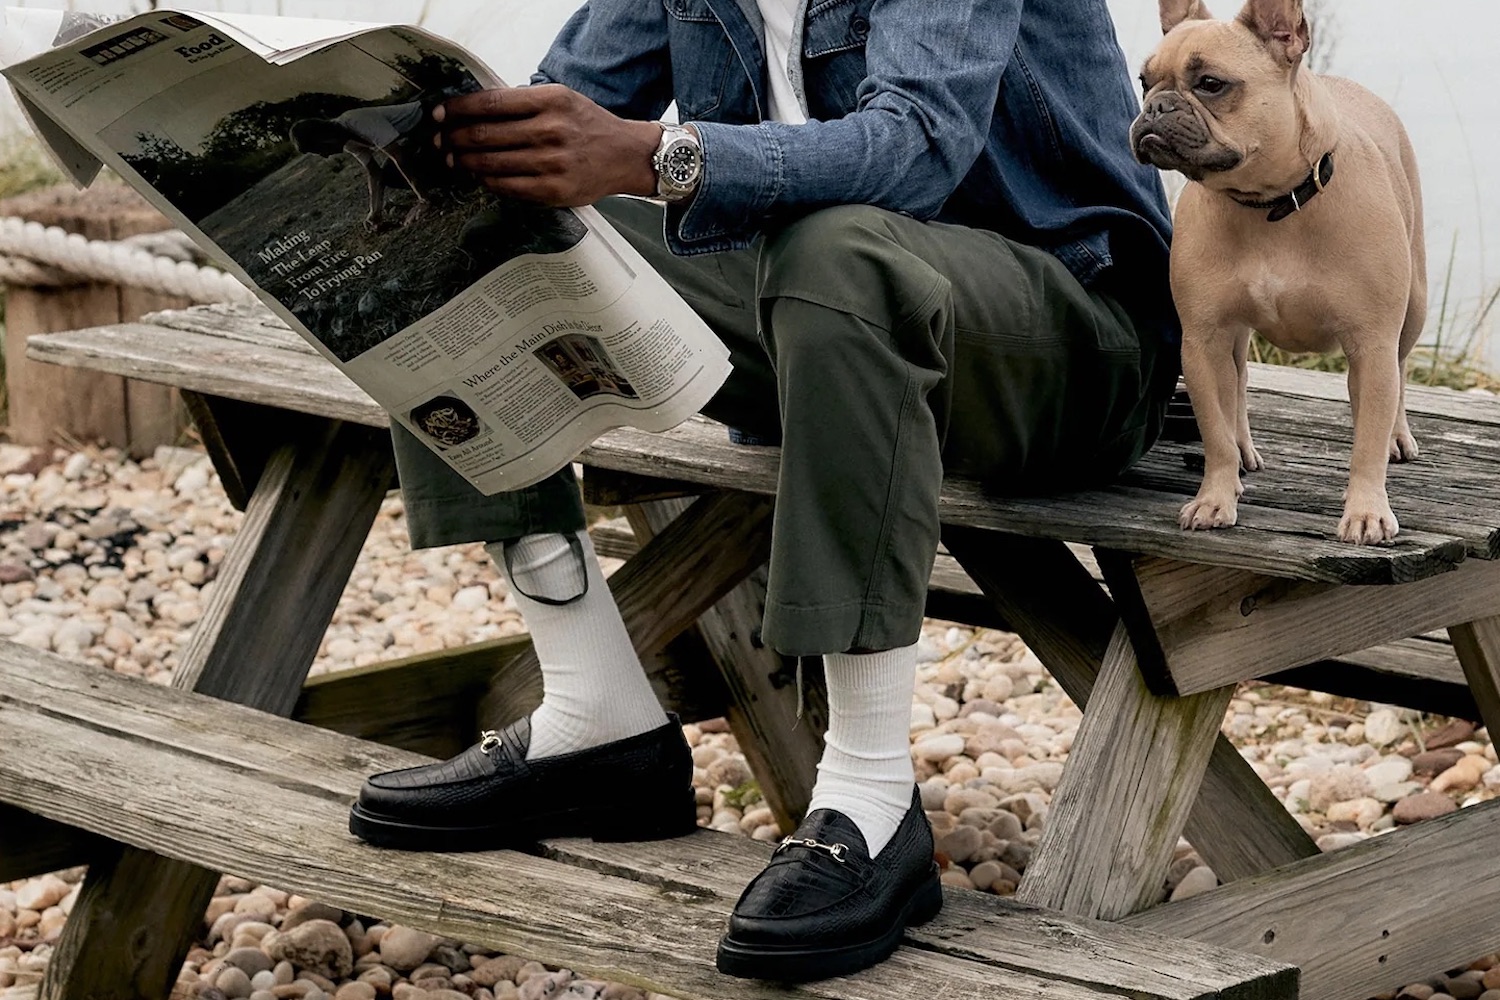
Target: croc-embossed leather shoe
823 907
490 796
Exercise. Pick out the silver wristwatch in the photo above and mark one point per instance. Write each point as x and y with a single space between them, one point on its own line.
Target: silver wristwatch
678 162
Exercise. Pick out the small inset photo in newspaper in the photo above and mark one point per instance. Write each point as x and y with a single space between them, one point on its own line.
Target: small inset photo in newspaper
584 366
321 179
448 421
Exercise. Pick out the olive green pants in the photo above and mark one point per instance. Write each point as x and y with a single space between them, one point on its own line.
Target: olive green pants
880 352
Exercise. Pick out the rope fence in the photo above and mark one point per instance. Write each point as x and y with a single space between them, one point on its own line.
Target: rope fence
34 255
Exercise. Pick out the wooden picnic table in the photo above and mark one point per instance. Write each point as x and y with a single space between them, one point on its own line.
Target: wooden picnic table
1153 655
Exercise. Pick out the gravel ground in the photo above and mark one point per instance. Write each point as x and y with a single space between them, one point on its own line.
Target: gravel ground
111 561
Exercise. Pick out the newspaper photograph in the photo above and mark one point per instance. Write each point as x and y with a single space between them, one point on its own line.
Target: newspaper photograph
507 335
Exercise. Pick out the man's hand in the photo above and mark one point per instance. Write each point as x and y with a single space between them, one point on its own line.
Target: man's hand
548 144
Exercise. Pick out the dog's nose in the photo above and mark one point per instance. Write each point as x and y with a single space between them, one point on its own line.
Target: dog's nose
1161 104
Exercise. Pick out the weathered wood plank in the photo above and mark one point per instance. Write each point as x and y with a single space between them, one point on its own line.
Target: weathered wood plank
31 845
1132 777
1477 644
214 366
1288 543
1441 501
1297 383
1000 932
1417 673
1226 626
1300 546
782 751
1237 825
282 578
678 576
133 750
1364 919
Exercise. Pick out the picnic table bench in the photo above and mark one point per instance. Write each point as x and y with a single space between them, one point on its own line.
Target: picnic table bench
1152 654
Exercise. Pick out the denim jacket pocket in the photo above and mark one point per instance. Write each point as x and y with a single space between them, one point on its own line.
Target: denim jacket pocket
835 26
701 56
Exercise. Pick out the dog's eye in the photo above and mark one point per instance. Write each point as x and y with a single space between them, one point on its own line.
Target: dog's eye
1209 85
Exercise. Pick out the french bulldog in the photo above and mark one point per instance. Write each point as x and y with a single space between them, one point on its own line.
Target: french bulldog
1302 220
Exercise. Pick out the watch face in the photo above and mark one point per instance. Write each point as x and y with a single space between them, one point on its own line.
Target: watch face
681 165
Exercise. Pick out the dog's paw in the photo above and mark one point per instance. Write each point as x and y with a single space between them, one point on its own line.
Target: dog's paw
1403 446
1368 524
1206 511
1250 460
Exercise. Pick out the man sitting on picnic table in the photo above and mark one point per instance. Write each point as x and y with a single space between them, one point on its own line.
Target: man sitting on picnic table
925 241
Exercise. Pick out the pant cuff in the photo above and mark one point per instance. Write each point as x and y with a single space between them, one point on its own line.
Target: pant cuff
803 631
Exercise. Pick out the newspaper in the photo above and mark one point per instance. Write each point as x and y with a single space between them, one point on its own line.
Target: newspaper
298 154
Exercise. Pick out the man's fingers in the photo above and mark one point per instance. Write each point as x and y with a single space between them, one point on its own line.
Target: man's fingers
502 102
494 135
511 163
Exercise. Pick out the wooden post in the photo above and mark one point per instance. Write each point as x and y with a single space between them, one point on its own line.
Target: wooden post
48 403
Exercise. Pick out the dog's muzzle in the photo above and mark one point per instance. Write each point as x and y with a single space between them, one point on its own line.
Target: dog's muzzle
1170 135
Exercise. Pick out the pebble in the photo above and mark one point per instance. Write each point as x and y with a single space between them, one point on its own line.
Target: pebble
405 948
1426 805
938 748
1432 762
232 982
318 946
1195 883
1384 727
40 893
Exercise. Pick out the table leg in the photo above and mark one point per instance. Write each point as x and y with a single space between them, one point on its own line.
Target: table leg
1477 644
782 751
1237 825
275 595
1132 777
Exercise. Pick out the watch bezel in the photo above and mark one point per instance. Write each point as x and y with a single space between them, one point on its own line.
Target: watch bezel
674 140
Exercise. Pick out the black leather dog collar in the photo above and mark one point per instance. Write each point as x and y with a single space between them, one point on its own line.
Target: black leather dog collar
1300 195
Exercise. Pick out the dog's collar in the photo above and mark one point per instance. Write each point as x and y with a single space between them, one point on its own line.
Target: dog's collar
1299 196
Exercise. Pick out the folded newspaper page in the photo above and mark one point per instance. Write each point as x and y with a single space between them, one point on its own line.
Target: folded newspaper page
299 154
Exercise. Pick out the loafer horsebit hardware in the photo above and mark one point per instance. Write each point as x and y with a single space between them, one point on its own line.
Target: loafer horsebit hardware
835 851
489 740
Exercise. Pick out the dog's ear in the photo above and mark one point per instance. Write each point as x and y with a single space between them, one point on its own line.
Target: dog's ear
1174 12
1281 24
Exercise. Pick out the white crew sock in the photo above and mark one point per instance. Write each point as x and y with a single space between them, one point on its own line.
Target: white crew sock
594 689
866 771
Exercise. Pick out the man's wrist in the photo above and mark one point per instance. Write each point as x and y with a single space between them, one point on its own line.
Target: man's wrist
644 138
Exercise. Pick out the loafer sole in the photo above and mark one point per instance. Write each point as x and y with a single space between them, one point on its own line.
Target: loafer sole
638 824
801 963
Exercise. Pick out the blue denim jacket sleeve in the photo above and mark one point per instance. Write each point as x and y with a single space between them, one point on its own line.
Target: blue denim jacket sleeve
924 110
616 55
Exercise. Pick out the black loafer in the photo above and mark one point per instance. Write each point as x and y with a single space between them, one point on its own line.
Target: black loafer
490 796
824 908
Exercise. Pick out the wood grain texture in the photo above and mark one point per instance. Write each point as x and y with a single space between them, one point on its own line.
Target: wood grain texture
1226 626
230 355
271 604
1416 673
782 750
86 405
134 749
1364 919
1477 644
1237 825
1132 777
998 931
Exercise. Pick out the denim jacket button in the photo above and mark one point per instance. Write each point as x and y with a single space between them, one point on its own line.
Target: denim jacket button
860 28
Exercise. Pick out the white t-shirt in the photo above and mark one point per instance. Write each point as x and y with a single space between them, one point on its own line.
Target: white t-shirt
780 17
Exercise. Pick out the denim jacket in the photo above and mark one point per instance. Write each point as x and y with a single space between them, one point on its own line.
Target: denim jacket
1007 115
